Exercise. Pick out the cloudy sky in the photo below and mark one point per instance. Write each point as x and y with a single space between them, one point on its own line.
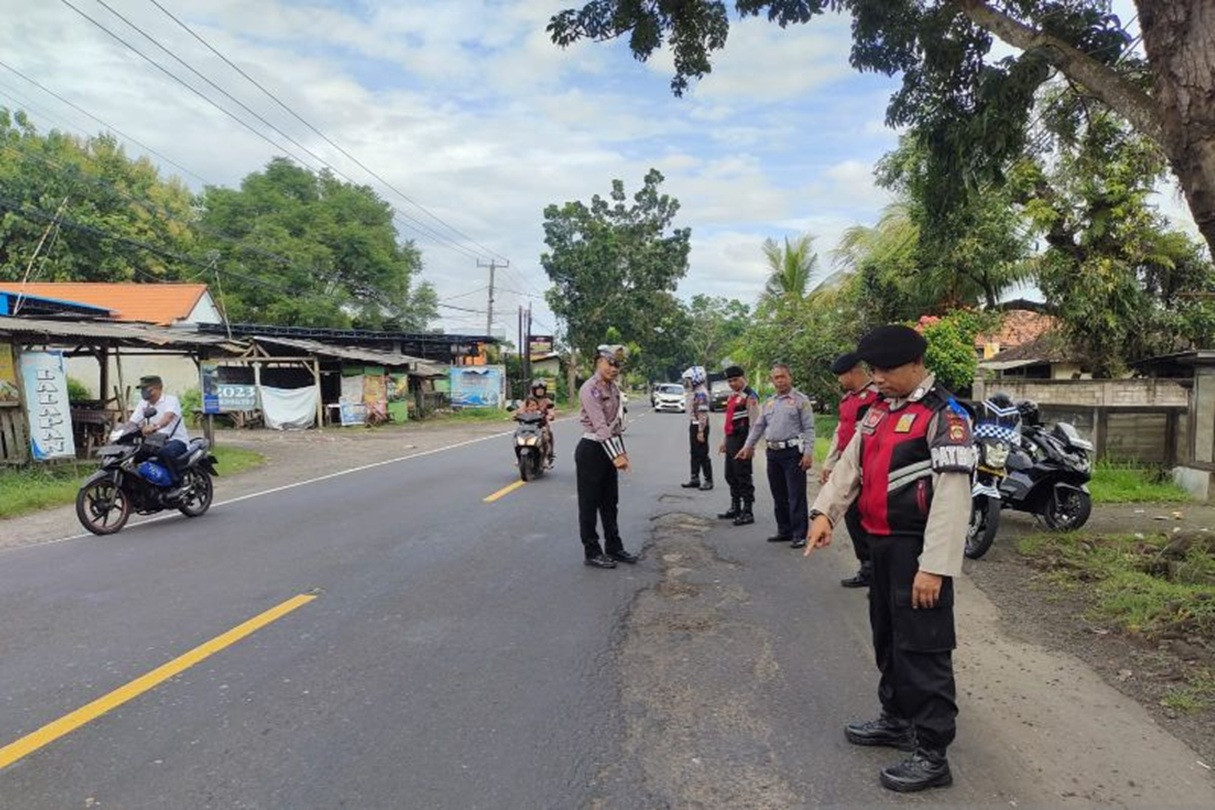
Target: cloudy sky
467 109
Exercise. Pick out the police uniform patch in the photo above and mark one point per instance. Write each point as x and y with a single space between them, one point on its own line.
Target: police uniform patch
905 422
872 418
952 447
957 427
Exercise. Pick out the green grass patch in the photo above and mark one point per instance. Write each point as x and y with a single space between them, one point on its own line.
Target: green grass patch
1146 585
31 489
824 429
475 415
1197 695
1125 483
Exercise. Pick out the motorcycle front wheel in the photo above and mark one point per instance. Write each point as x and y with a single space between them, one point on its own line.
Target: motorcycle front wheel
102 507
526 471
984 523
1067 509
199 490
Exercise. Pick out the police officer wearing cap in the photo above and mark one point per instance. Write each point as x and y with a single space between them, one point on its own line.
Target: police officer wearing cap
786 423
742 410
908 468
859 394
599 457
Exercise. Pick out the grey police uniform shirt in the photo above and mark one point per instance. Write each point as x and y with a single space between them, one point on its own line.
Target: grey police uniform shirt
601 413
783 418
948 516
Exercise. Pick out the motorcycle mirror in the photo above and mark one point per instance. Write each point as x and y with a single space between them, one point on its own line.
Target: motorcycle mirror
149 413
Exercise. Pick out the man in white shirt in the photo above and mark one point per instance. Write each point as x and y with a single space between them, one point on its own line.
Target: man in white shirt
166 420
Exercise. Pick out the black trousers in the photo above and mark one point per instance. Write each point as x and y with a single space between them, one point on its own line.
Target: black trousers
598 494
860 539
787 480
913 646
702 467
738 473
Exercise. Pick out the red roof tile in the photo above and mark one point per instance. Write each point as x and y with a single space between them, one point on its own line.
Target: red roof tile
162 304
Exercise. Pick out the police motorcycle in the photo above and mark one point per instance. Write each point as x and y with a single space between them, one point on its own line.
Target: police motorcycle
531 444
1049 474
997 430
133 478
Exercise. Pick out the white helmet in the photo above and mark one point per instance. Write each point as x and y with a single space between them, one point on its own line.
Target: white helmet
696 375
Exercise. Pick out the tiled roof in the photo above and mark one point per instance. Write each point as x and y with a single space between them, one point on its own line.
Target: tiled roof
1048 347
163 304
1018 327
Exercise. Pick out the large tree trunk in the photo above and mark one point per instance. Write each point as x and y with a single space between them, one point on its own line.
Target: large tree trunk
1179 37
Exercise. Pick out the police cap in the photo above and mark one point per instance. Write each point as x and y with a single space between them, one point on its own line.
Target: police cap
613 352
891 346
734 371
845 363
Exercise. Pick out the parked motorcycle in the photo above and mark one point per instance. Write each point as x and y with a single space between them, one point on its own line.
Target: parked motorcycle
132 478
1040 470
531 444
996 432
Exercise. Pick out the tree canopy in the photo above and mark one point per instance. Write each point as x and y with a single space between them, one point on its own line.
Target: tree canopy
290 246
615 265
971 109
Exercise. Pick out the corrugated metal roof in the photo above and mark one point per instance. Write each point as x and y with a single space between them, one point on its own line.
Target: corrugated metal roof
125 333
162 304
416 364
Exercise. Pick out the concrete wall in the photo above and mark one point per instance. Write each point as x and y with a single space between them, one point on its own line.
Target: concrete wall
1092 393
178 372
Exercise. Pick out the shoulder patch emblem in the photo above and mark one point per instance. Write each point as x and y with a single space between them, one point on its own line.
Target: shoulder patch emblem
956 427
905 422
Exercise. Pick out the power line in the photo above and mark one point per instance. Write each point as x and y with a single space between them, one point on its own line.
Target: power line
80 109
322 135
419 227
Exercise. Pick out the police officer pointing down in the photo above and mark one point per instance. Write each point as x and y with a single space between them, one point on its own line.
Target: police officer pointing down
908 468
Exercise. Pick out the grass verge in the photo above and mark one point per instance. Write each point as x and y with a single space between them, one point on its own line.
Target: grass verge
1124 483
1156 588
31 489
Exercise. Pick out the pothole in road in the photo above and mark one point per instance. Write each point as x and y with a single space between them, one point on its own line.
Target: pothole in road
693 674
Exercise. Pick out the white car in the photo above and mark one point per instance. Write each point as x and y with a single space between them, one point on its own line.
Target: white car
668 397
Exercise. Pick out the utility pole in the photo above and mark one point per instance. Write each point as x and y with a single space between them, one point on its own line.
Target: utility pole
489 313
528 344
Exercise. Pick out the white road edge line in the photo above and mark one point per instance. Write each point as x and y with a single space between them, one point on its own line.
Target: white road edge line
273 490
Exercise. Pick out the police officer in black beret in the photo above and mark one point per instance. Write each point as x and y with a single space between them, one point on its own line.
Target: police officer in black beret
859 394
742 410
915 450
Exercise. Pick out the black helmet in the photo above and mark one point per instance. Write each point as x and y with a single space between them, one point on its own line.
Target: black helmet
1029 411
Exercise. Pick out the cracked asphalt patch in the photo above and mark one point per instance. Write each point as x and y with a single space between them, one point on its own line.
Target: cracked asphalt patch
694 675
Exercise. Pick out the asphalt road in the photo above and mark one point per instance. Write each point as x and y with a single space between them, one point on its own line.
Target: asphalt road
456 654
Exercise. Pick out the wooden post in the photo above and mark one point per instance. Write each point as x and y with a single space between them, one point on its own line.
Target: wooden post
103 358
320 402
122 388
257 388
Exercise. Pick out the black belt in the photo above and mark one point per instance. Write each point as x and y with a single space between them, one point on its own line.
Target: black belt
785 445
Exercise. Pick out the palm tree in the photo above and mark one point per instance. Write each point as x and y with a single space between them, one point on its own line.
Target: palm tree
793 267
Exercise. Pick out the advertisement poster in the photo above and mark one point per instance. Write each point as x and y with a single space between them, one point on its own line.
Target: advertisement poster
350 404
477 386
46 397
398 396
9 394
540 346
224 397
375 395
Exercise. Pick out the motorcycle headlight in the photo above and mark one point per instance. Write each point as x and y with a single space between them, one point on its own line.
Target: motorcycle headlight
995 454
1083 462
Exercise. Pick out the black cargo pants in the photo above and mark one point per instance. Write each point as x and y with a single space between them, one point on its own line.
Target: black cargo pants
913 646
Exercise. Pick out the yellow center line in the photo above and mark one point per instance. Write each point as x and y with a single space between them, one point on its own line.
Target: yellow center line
70 722
504 491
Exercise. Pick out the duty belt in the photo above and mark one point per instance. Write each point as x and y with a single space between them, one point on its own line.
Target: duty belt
785 445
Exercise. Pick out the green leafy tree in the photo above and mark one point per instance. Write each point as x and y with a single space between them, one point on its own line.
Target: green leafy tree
715 327
951 354
974 110
1125 285
300 247
615 264
109 217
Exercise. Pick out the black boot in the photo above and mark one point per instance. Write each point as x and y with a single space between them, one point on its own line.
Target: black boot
707 485
860 579
745 518
692 484
733 511
923 769
883 731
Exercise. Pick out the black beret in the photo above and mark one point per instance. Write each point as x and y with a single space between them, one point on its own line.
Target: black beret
845 362
735 371
891 346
